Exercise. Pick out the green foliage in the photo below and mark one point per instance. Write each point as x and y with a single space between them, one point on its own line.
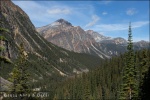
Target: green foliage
129 87
4 30
2 38
145 87
19 76
144 75
102 83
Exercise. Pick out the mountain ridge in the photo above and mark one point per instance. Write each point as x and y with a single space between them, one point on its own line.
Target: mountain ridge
72 38
88 41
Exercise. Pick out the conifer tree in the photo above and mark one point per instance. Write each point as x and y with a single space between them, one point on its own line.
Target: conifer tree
20 76
144 64
129 85
145 88
143 75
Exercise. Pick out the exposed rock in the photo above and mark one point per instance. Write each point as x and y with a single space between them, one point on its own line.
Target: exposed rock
98 37
63 34
72 38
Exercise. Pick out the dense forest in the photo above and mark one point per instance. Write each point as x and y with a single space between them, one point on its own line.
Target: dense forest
104 82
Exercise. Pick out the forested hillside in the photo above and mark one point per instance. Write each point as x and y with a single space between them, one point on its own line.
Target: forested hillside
104 82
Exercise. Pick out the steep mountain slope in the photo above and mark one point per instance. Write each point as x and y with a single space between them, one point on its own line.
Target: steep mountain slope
44 59
63 34
72 38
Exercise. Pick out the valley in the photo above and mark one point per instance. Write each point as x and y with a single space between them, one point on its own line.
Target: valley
67 61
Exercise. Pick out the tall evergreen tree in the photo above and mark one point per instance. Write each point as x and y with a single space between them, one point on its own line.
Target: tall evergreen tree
129 84
20 76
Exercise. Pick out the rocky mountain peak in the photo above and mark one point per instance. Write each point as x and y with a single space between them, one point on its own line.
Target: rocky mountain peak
142 43
120 40
89 31
63 22
97 36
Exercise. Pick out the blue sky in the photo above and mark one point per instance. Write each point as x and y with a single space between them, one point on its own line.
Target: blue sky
110 18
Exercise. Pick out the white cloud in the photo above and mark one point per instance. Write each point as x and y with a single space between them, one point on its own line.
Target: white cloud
118 27
139 24
95 19
45 12
35 11
111 27
104 13
42 13
131 11
59 11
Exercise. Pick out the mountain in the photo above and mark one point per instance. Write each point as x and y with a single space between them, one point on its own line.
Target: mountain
63 34
142 44
73 38
46 61
102 39
98 37
111 46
